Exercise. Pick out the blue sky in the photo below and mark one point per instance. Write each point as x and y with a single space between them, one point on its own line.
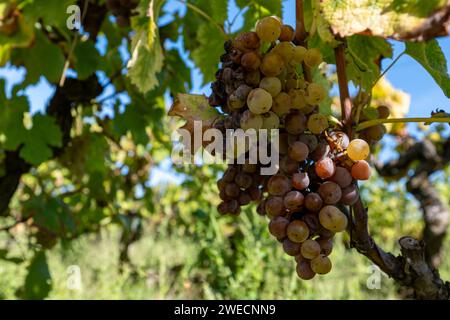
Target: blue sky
406 75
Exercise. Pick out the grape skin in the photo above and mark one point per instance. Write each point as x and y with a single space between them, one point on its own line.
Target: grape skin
310 249
304 270
293 201
358 149
298 151
330 192
278 227
325 168
321 264
297 231
271 85
300 180
342 177
268 29
259 101
361 170
333 219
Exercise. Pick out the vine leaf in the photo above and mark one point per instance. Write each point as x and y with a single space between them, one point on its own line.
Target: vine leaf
386 18
32 58
364 53
429 54
38 281
147 56
22 36
35 142
192 107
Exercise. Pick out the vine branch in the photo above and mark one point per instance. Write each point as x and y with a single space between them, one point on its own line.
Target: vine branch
374 122
344 94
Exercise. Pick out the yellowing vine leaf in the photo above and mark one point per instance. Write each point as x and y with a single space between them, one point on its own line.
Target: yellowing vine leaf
193 107
385 18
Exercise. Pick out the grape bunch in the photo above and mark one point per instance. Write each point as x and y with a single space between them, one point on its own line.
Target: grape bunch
261 85
122 10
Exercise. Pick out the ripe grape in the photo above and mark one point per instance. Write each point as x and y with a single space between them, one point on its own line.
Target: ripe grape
222 208
229 174
252 78
325 168
300 180
333 219
271 85
297 231
320 152
243 180
342 177
330 192
361 170
242 92
244 198
326 245
298 151
313 57
383 112
293 201
376 132
317 123
270 121
274 206
349 195
295 123
232 190
272 64
283 143
251 60
234 102
249 120
268 29
310 249
298 98
358 149
310 140
278 185
288 165
247 41
286 50
340 140
259 101
315 94
255 193
312 221
278 227
261 208
291 248
321 264
304 270
299 54
287 33
233 207
282 104
313 202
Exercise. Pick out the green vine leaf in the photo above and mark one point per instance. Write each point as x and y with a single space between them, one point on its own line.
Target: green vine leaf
38 281
147 56
430 56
